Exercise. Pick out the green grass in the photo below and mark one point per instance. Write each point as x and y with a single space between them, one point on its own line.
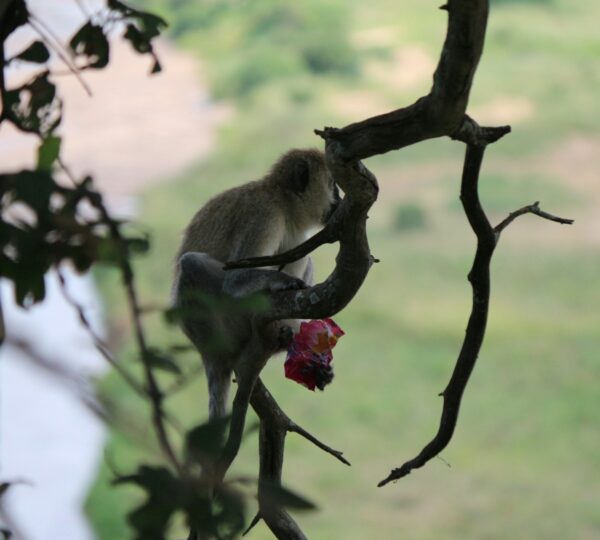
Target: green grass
524 460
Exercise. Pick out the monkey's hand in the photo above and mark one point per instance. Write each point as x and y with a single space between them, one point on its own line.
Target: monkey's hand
241 283
285 282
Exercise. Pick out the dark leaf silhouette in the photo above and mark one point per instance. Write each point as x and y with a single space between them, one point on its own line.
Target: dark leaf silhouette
34 107
90 41
37 53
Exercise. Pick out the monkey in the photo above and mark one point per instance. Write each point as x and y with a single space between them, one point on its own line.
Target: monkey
260 218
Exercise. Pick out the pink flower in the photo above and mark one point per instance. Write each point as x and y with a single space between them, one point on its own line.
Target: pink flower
309 355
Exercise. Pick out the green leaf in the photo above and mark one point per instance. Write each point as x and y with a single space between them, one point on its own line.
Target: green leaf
164 491
108 251
204 442
90 41
279 496
138 245
231 514
48 153
37 52
161 360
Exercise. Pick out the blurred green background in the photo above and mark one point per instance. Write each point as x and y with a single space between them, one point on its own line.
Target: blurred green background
525 459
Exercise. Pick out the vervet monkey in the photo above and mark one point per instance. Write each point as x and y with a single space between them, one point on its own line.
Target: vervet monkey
260 218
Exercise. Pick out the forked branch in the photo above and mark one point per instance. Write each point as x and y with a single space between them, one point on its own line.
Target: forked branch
442 112
479 277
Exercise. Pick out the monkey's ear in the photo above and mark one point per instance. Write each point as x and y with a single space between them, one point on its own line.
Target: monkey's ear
300 176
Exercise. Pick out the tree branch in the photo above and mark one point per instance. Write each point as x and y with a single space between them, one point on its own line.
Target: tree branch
354 257
479 276
100 346
442 111
530 209
327 235
274 425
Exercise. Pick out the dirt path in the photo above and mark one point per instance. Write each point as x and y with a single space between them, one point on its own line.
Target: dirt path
136 129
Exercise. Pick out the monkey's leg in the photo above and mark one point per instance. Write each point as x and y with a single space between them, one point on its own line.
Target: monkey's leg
247 370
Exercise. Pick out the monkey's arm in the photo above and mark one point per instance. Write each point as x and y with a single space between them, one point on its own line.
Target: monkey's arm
263 239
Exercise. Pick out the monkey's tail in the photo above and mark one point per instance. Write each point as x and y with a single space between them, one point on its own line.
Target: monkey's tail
219 380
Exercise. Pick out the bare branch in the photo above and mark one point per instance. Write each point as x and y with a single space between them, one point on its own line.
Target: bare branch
530 209
354 257
470 132
153 390
442 111
47 36
327 235
295 428
100 346
479 276
265 405
274 424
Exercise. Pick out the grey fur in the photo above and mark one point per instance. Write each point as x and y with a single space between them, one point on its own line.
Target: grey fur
263 217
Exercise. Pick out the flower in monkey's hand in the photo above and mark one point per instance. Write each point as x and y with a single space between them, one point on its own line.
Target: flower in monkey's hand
309 355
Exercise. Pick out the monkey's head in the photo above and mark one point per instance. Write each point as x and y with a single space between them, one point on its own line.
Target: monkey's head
310 192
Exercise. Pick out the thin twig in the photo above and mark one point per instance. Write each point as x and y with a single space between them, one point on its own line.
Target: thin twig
255 521
44 32
64 375
153 391
327 235
83 9
295 428
274 424
101 347
479 276
530 209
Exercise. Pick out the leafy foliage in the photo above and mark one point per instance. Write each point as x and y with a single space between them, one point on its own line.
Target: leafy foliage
257 42
90 41
34 106
44 222
141 28
36 52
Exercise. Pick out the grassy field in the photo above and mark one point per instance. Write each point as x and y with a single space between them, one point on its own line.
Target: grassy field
525 459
